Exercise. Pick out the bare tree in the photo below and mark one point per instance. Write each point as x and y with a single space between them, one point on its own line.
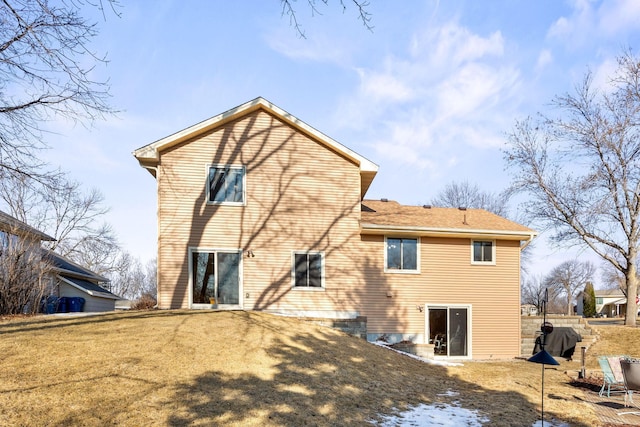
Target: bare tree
72 217
581 170
533 291
465 194
131 280
24 273
288 10
569 278
45 72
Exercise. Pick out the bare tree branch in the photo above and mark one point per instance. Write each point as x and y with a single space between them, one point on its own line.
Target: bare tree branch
287 9
581 170
46 68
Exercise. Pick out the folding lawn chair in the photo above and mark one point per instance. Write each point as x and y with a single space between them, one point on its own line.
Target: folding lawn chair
613 381
631 375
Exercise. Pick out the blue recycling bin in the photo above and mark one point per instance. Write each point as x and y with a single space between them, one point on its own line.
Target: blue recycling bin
76 304
63 305
51 305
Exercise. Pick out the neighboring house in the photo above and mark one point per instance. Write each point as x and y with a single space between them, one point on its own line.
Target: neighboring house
610 302
528 310
13 229
259 211
72 280
67 279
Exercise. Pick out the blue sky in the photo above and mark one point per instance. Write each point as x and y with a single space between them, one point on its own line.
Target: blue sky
428 95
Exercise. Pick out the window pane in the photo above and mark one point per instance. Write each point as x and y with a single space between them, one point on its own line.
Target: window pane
487 251
226 184
482 251
315 270
234 185
410 254
203 277
301 270
477 251
216 184
228 278
393 254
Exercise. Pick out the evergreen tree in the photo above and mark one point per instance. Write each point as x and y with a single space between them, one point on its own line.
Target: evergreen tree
589 300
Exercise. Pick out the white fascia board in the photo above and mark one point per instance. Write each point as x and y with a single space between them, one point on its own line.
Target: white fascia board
86 291
151 151
450 232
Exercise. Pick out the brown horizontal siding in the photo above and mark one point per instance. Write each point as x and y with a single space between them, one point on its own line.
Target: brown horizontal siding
300 196
448 277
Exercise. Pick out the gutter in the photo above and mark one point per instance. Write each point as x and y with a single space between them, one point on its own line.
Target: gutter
435 231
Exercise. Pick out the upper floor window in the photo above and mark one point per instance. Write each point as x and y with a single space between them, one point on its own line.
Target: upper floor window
308 269
402 254
483 252
226 185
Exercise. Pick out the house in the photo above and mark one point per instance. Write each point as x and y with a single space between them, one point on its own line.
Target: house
73 281
257 210
528 310
58 276
610 302
12 229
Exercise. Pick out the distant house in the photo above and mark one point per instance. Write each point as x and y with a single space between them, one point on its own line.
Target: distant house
14 229
72 280
528 310
609 303
66 279
257 210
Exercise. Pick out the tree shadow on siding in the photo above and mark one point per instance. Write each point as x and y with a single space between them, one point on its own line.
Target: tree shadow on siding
289 199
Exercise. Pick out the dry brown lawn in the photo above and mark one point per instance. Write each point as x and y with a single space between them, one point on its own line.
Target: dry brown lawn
175 368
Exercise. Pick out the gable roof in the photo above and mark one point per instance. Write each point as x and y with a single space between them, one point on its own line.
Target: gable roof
382 217
609 293
66 267
89 288
9 224
149 154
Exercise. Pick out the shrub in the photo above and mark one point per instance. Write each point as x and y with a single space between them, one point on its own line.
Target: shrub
145 302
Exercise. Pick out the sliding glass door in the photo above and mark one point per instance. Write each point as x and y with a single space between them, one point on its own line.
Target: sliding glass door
215 277
448 329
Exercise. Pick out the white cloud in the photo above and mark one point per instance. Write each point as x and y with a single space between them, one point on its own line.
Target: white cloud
452 44
617 16
544 58
588 23
453 90
382 86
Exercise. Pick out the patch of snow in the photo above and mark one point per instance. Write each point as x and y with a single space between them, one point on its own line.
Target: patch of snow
413 356
552 423
449 393
445 415
435 415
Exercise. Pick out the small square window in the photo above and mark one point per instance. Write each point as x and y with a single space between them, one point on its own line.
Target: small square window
226 185
402 254
483 251
308 269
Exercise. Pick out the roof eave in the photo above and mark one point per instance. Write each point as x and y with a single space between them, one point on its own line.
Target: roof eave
149 155
89 292
368 228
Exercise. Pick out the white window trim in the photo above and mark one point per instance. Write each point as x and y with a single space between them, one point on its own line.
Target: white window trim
402 271
190 252
293 272
208 185
493 252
